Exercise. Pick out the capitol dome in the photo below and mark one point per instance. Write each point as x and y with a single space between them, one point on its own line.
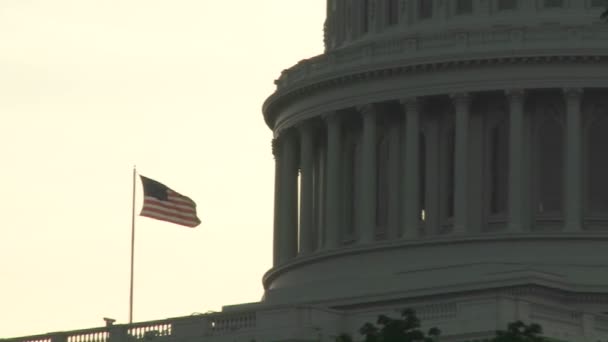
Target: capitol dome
447 155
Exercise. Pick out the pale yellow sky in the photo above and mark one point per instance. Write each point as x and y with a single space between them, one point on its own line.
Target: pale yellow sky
88 88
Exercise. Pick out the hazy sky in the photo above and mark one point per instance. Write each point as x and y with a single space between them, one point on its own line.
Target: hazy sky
88 88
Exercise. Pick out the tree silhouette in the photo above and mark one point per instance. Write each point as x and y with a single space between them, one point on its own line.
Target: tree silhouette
604 15
407 329
520 332
404 329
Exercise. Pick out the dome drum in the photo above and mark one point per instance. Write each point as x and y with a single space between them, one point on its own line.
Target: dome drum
478 170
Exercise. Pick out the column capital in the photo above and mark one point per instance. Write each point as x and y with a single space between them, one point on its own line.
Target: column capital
367 109
331 117
286 134
461 98
410 104
573 93
304 127
515 94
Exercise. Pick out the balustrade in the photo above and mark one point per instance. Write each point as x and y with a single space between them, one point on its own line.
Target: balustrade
177 329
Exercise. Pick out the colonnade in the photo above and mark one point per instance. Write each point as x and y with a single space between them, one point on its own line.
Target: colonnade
309 187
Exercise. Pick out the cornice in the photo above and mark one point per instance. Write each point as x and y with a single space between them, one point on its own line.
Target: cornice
343 251
522 290
404 55
279 99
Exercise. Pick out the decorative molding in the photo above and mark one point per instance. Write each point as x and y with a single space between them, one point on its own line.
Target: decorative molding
278 100
344 251
411 54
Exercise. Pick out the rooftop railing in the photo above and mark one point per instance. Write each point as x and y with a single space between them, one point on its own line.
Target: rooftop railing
172 329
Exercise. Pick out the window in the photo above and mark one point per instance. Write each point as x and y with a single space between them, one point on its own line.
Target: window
392 12
499 167
425 9
464 6
550 159
422 175
597 165
451 143
504 5
350 176
348 22
554 3
319 180
364 16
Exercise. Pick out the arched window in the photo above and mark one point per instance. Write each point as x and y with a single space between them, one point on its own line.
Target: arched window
549 159
597 163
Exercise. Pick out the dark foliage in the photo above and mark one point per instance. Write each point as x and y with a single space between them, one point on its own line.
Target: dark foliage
520 332
404 329
604 15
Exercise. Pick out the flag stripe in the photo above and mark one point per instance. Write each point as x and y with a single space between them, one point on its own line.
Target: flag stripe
169 211
164 204
171 218
169 205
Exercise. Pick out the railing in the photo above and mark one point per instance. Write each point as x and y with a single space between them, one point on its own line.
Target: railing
226 323
179 328
95 335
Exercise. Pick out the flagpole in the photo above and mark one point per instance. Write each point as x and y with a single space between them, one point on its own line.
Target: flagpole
132 247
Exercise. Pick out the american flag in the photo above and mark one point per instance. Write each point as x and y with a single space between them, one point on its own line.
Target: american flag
162 203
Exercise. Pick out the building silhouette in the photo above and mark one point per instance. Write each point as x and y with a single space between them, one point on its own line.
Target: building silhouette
446 156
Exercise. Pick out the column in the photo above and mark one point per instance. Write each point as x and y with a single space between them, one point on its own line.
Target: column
306 187
334 149
394 176
366 211
375 15
516 169
410 189
432 199
461 161
573 194
276 152
289 197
